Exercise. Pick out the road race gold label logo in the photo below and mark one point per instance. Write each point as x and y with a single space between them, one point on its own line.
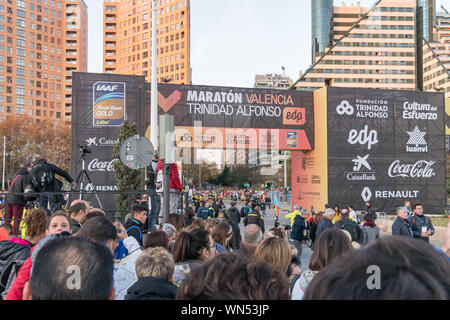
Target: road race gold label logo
109 103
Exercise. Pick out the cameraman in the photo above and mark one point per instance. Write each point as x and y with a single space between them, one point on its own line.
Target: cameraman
43 180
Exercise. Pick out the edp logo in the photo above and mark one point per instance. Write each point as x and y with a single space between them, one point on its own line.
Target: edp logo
363 137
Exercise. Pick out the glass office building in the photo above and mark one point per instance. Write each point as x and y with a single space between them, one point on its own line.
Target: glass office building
426 10
321 14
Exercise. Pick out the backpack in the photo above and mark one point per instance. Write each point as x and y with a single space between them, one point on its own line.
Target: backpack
41 175
352 228
135 227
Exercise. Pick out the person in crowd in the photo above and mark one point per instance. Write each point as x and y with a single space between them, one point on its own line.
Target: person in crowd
154 269
211 223
57 224
202 211
222 234
370 230
353 215
211 210
275 251
351 226
262 205
134 226
94 212
190 216
199 222
337 214
49 278
175 186
191 249
293 214
324 224
171 231
330 245
313 226
247 209
401 225
42 178
5 232
392 268
157 238
298 227
355 245
77 212
155 201
100 229
233 276
126 244
14 253
14 199
276 232
251 239
223 215
421 225
407 206
255 218
177 220
234 220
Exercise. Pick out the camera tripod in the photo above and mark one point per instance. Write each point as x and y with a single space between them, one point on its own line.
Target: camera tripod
81 176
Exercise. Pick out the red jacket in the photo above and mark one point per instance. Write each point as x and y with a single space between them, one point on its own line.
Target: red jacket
16 290
175 182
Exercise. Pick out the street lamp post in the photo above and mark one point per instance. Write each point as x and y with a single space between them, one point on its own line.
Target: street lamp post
154 81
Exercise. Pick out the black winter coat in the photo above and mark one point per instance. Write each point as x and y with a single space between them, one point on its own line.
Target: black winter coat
234 215
254 218
402 227
150 288
19 185
348 224
11 251
323 225
417 222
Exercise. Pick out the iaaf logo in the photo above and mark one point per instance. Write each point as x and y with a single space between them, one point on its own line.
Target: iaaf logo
102 142
105 87
356 174
96 165
416 138
420 169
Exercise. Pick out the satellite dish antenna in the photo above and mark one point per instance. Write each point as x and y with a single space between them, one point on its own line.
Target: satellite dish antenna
136 152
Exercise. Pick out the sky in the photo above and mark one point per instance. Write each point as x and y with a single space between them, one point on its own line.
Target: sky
233 40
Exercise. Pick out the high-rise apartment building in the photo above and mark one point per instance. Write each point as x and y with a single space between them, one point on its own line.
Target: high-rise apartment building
437 57
373 48
127 42
41 43
426 16
321 16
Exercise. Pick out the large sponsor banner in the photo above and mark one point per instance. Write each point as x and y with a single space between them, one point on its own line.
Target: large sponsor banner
309 168
100 104
238 118
386 147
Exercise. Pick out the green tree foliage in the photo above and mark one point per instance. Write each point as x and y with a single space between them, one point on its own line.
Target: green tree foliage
127 179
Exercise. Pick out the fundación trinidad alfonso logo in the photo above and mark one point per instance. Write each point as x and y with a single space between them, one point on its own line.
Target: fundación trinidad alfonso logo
167 103
345 108
416 139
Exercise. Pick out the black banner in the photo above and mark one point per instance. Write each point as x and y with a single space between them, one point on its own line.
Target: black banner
100 104
386 147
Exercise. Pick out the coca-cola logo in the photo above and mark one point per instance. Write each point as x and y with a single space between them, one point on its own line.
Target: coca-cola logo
420 169
97 165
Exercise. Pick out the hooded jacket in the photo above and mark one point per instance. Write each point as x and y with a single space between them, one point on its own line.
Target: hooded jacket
13 252
150 288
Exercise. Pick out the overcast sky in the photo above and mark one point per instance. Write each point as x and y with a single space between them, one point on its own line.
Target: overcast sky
233 40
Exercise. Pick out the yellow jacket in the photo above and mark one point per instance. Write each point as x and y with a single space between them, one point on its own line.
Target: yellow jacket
292 216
